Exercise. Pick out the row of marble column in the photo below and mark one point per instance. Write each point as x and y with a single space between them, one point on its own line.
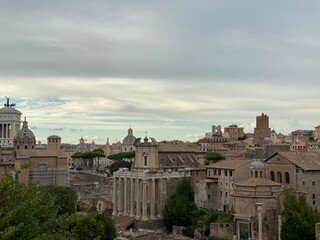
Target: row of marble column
5 130
140 198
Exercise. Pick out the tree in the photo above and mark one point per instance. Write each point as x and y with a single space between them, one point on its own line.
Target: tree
98 226
90 156
180 209
122 155
30 212
185 188
299 218
115 166
65 198
214 156
24 209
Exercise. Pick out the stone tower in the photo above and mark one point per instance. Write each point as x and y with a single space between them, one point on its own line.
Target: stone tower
262 129
54 142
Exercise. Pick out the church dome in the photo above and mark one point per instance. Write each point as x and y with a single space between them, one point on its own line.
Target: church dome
257 164
25 138
129 139
25 132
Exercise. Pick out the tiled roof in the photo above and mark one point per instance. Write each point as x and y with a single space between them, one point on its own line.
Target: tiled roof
254 182
229 164
304 160
179 147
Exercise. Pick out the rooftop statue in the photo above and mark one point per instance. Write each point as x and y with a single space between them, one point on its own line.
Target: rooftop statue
8 103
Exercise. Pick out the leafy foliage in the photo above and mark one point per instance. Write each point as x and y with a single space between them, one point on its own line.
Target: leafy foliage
115 166
300 218
214 156
122 155
95 226
35 212
180 209
65 198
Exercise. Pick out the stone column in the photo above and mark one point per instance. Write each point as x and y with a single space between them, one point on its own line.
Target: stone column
317 231
144 201
259 209
138 207
120 196
131 198
160 192
5 130
280 226
153 199
114 196
125 198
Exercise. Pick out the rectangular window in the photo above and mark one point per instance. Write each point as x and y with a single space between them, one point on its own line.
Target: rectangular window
220 193
209 196
215 172
226 173
226 184
226 194
313 196
220 184
303 183
230 173
219 172
313 183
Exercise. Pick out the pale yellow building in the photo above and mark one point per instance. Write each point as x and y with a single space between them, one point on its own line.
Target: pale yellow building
234 133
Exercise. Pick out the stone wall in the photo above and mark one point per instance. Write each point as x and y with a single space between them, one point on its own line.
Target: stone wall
222 230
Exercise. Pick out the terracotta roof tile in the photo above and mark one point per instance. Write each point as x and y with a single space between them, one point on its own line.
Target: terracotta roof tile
257 182
229 164
304 160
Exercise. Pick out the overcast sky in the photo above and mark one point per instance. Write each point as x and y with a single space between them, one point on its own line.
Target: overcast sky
171 68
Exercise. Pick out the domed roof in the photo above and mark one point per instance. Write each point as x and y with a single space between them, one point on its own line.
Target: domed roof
25 132
129 139
257 164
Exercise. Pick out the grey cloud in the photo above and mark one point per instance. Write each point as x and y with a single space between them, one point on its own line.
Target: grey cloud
57 129
162 40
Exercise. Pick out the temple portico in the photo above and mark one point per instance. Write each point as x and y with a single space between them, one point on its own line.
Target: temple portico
143 194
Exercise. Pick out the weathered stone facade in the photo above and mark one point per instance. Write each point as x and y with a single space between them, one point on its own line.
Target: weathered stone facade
10 122
143 192
298 171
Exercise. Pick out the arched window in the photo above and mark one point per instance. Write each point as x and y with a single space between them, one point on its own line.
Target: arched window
260 174
287 176
256 174
145 158
273 178
279 177
251 173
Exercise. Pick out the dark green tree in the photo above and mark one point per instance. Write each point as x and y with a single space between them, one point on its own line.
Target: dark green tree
214 157
24 209
65 198
180 209
90 156
122 155
185 188
299 218
30 212
98 226
119 164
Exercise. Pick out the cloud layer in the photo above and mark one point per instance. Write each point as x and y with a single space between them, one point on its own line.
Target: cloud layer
94 68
